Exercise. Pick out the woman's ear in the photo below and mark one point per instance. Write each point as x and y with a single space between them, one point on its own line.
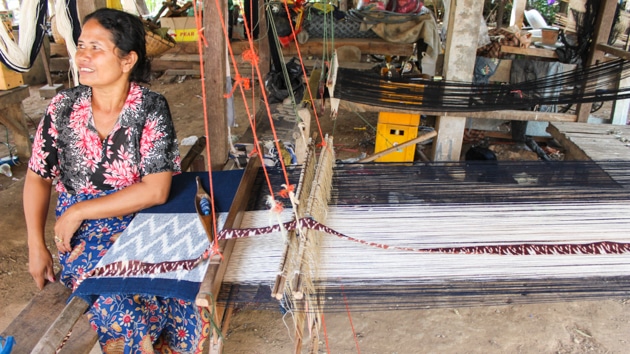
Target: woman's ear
129 61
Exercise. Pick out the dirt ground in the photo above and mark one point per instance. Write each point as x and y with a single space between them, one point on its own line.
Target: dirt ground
565 327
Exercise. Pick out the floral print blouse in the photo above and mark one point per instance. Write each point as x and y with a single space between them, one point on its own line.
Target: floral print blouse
67 145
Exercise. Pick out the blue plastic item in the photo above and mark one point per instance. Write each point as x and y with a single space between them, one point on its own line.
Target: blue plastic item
6 345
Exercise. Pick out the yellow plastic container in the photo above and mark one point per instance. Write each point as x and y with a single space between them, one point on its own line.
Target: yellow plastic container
394 129
9 79
114 4
399 118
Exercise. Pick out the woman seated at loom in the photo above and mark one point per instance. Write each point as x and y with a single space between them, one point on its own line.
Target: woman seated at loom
110 146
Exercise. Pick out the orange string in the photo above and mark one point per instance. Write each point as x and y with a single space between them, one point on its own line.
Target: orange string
267 106
254 59
354 332
200 38
306 79
325 334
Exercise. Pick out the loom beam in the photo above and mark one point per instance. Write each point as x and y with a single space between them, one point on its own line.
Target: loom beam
304 186
211 284
304 290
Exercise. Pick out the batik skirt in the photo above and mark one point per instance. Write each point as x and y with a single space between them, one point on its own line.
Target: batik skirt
129 323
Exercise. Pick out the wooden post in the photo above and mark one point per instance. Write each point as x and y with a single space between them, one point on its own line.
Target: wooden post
214 76
500 11
86 7
142 8
463 29
518 10
603 25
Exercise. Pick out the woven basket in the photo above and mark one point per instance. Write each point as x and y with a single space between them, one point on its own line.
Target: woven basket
157 45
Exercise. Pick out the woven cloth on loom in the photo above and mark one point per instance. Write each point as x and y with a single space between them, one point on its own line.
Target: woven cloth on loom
169 232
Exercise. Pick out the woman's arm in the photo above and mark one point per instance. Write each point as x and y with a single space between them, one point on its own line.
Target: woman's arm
36 200
152 190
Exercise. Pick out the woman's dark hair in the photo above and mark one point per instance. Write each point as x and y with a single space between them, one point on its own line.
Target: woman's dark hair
128 35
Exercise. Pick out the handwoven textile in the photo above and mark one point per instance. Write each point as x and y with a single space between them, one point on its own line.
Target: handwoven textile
169 232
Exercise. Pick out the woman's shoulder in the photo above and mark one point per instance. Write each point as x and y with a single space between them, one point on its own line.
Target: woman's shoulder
72 93
75 91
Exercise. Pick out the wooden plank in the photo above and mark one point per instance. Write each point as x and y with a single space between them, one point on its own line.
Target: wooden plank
572 151
591 141
591 128
180 57
595 137
59 64
31 324
532 52
16 95
502 115
62 325
163 65
618 52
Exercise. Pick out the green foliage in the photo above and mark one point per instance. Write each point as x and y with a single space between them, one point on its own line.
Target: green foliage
547 9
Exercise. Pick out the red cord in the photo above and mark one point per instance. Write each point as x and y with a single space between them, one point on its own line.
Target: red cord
354 332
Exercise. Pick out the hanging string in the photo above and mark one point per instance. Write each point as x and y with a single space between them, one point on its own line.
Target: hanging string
275 206
306 79
285 72
267 108
21 56
68 25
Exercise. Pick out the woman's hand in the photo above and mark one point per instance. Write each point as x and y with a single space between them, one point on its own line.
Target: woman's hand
65 227
40 265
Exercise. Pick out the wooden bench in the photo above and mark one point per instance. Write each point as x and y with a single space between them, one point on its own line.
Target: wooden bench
33 322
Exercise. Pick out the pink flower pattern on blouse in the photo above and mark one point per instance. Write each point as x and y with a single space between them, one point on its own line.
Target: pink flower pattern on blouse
67 146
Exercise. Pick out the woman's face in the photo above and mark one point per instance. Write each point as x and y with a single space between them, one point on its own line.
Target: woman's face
97 58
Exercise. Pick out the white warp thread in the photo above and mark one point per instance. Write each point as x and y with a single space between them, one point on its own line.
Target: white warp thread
64 27
18 54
